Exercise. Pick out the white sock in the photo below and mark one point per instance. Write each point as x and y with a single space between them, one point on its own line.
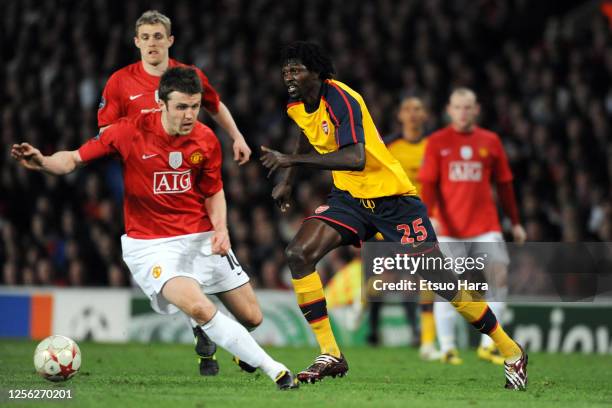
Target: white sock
445 317
233 337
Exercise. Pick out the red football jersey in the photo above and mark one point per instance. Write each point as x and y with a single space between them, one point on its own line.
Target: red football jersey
166 177
131 91
463 166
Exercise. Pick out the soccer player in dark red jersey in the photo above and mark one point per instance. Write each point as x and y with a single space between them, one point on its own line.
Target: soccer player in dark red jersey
176 244
460 163
133 89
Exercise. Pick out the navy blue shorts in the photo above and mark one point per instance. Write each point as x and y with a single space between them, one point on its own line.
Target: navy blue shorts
400 219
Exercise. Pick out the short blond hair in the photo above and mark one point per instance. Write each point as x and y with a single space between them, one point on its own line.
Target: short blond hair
151 17
463 91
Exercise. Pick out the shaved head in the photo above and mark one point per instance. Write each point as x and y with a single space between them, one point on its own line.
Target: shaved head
463 92
463 109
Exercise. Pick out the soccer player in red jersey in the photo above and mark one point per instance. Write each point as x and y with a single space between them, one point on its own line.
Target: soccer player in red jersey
176 243
133 89
460 163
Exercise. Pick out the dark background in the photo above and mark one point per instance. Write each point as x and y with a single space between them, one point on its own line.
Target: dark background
542 72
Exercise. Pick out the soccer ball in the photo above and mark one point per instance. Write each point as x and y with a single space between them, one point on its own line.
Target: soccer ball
57 358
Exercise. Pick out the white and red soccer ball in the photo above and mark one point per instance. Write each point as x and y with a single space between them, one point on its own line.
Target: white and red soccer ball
57 358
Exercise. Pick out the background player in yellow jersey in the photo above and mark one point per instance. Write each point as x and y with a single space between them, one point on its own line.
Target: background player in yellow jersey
371 193
408 147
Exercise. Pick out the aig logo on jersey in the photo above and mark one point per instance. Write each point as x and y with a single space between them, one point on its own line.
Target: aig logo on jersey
465 171
171 182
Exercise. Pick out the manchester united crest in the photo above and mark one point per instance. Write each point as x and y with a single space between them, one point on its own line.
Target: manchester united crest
175 159
156 271
196 157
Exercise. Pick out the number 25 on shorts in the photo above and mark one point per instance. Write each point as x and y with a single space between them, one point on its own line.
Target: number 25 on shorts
418 230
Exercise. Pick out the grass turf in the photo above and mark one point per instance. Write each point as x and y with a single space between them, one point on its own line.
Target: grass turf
165 375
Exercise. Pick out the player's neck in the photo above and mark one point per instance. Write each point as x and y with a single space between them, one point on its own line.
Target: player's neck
466 129
156 70
313 97
411 134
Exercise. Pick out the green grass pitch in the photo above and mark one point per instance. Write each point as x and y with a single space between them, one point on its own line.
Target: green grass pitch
165 375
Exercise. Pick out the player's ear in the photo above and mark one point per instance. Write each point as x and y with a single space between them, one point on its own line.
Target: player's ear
170 41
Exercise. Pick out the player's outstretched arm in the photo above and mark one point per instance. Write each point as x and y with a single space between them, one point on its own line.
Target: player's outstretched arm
241 149
62 162
217 212
349 158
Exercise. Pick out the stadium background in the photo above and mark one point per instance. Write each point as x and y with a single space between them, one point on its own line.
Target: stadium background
541 71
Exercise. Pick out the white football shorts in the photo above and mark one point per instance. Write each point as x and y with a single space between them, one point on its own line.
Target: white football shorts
153 262
491 243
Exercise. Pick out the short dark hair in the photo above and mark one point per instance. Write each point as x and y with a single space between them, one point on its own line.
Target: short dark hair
311 55
180 79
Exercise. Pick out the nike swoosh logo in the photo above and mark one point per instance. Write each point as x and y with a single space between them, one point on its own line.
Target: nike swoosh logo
148 156
132 97
445 152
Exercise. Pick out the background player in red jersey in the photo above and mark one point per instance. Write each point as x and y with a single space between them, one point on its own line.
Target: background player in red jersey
176 244
132 89
460 162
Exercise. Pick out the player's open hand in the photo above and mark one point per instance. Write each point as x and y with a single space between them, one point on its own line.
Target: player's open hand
242 151
273 160
28 156
281 195
220 242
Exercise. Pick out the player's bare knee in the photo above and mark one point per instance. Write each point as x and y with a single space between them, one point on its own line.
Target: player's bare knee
253 321
201 312
296 256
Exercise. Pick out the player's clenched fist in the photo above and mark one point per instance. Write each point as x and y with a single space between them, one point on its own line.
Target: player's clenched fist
28 156
220 242
281 195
